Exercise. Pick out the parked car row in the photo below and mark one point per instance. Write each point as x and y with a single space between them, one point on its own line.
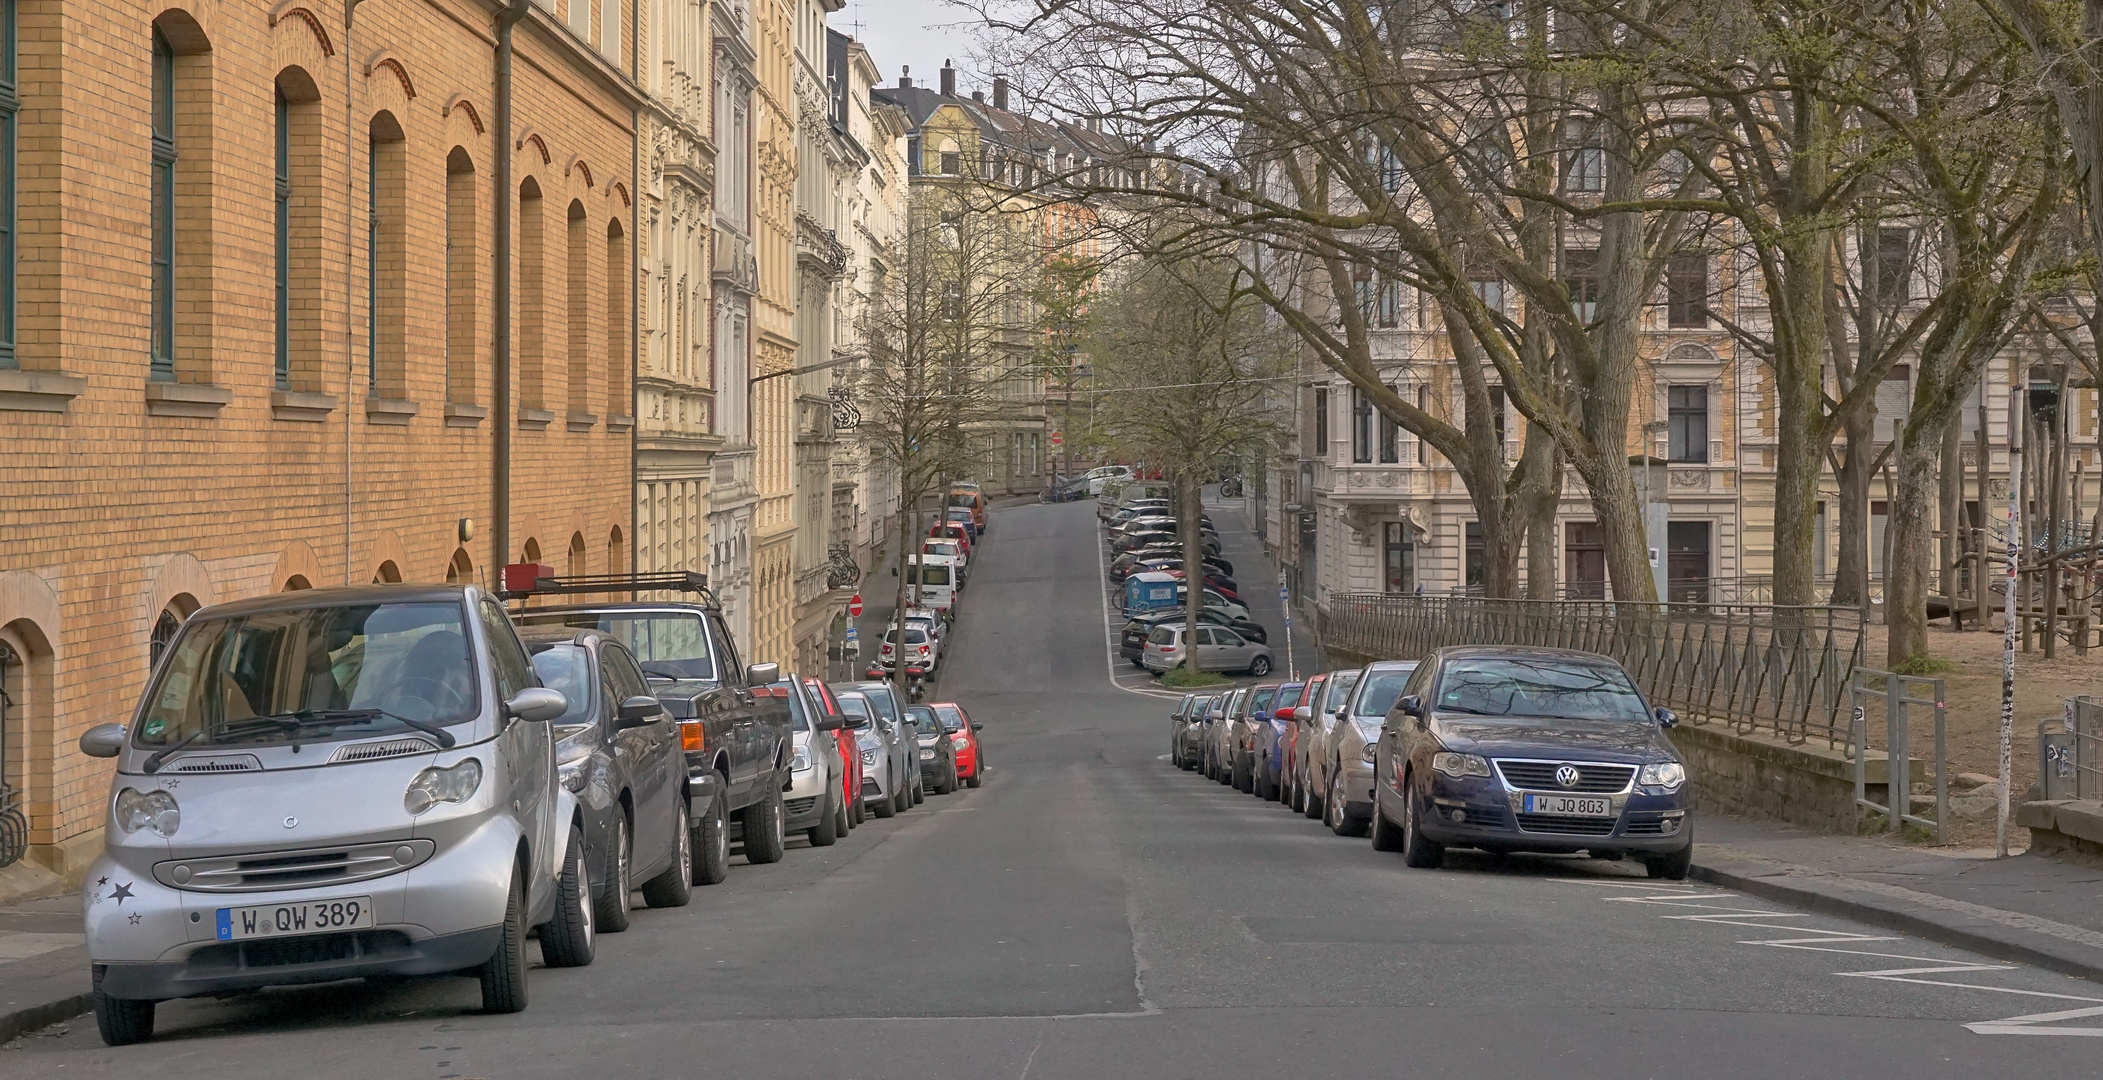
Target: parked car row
396 780
1495 748
1148 572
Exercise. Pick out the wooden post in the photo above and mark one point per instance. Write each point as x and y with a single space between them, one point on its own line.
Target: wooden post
1982 457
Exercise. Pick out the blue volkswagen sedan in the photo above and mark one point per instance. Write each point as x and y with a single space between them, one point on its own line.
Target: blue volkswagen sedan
1524 749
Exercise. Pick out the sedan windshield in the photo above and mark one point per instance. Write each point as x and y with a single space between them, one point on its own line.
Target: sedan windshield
669 644
1383 687
1553 687
314 673
924 720
565 668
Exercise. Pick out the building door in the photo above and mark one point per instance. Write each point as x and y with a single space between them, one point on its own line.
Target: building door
1399 556
1584 560
1687 562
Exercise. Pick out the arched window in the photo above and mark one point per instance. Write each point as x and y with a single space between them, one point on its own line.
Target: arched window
386 252
461 570
387 574
301 226
532 298
616 553
161 339
462 279
532 550
617 274
577 299
577 567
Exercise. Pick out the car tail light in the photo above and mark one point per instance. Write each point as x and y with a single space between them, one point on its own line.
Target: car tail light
691 737
923 650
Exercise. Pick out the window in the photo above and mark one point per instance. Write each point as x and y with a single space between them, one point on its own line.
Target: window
1491 292
1893 265
1584 164
164 630
577 299
1474 566
462 279
952 229
532 296
1423 405
1687 292
1390 440
952 163
1581 277
1388 313
10 101
284 241
952 300
162 336
1361 427
912 155
1687 415
386 263
1362 290
1497 417
1321 422
1399 558
617 400
1390 166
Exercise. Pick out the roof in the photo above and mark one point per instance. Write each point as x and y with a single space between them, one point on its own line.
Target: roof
336 596
1539 652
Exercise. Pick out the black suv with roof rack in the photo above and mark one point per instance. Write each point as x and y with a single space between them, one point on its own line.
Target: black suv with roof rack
734 730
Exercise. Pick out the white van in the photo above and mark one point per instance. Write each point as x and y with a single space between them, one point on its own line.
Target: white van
931 581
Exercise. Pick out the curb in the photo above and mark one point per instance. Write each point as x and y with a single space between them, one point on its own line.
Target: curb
1832 895
29 1018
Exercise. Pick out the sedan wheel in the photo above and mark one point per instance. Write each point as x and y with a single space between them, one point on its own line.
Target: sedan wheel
612 901
566 940
1260 666
674 885
1417 850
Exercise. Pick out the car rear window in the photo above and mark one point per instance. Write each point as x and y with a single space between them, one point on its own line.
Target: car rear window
1162 635
668 644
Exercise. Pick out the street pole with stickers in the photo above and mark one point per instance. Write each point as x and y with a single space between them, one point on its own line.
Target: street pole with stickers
1292 671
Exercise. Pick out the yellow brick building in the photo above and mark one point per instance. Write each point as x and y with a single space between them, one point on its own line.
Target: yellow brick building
251 327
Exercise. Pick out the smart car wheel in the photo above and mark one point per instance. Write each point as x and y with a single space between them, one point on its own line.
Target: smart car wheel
566 939
712 845
674 885
764 839
613 901
122 1021
503 975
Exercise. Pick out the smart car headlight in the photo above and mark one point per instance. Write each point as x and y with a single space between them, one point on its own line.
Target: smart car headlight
436 785
155 810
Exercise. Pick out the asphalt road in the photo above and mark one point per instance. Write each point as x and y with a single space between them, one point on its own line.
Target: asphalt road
1093 912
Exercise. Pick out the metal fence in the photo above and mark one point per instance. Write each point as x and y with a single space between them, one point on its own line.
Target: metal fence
1753 667
2070 750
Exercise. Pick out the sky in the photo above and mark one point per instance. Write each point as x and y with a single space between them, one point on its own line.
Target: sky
919 33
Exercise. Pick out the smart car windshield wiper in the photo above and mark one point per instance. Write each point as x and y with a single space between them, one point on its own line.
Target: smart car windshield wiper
153 764
352 716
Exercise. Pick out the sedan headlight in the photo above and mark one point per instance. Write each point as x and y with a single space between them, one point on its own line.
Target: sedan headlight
960 739
1367 753
1664 774
802 761
1458 766
868 757
155 810
436 785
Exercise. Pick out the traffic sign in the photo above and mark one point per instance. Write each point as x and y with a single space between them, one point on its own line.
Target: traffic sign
1057 438
854 610
851 638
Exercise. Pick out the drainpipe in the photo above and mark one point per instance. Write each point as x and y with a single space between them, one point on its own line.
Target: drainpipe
635 324
500 405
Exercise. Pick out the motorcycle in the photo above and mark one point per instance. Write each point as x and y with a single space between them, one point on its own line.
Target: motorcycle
915 683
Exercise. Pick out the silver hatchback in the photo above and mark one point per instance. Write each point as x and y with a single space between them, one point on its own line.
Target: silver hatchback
329 784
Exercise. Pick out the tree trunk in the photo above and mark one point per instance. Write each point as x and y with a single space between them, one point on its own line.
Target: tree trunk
1540 497
1851 574
1910 535
1190 495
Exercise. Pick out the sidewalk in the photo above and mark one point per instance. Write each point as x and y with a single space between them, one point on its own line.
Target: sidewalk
2027 909
43 964
1258 579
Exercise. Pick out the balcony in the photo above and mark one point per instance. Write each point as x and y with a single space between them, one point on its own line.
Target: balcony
819 247
735 479
735 264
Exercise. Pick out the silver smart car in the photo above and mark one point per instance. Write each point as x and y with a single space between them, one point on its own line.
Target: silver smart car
328 784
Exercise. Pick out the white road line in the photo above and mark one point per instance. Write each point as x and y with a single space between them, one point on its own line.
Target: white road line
1110 639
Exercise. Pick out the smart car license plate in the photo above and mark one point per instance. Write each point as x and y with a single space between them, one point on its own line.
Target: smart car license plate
1569 806
927 755
291 920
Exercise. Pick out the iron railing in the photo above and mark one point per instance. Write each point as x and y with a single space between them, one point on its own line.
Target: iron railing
14 827
2070 749
1752 667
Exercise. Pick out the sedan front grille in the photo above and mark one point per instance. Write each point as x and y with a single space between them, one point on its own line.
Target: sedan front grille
800 806
265 870
1593 777
1566 826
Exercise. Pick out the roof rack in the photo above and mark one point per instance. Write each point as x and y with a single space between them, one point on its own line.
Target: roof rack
538 579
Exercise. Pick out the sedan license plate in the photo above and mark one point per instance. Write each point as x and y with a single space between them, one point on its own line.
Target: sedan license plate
927 755
1569 806
290 920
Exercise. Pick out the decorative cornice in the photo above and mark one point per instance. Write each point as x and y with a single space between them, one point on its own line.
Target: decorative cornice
387 59
459 101
287 9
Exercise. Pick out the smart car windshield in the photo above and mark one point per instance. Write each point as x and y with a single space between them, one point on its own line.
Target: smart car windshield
1557 687
668 644
338 672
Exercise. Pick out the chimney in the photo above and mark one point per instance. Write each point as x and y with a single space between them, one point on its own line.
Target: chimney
905 77
949 79
1000 92
979 96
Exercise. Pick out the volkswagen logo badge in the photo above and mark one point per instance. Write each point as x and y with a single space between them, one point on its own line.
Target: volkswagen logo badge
293 822
1566 775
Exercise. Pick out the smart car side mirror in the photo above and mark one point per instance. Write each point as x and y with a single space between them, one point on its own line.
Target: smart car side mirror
762 674
537 704
102 740
636 711
1666 717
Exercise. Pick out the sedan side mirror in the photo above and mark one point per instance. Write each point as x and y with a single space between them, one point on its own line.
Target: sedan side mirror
637 711
830 723
976 726
537 704
1412 705
1666 717
1303 713
102 740
762 674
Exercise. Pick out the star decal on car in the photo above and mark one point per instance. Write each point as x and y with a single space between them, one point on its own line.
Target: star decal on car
135 917
120 893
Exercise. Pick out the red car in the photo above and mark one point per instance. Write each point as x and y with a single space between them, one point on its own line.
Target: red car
850 752
952 531
1295 771
963 730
